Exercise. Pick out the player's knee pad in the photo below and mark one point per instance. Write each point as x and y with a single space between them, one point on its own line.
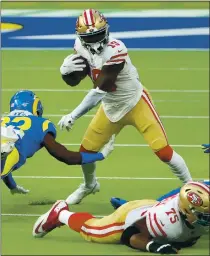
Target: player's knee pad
165 154
82 149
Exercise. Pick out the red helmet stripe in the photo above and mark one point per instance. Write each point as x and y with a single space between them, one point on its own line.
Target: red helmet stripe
91 16
201 185
86 19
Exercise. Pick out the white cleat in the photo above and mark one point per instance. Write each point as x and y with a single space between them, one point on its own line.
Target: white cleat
82 191
49 221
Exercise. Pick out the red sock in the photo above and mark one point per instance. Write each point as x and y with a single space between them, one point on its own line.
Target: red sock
77 220
165 154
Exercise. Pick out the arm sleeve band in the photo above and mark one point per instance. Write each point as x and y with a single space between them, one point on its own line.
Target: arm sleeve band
127 234
91 157
91 100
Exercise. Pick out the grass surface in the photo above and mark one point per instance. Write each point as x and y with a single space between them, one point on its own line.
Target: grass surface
158 70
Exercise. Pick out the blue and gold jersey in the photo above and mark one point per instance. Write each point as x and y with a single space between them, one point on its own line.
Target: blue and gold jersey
34 130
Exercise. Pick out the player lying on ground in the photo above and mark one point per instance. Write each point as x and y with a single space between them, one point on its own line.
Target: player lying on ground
147 225
24 131
124 99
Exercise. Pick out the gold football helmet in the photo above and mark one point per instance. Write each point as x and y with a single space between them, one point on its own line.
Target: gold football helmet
194 203
92 30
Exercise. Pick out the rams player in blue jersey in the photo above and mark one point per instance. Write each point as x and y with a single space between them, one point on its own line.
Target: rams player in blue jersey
24 131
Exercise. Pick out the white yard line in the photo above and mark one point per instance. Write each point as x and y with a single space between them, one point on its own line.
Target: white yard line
87 90
101 178
68 49
138 145
164 117
40 68
33 215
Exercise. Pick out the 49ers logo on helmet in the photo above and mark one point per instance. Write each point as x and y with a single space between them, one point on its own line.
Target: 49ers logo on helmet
194 199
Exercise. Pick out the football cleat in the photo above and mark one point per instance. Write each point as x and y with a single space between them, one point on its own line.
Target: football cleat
82 191
49 221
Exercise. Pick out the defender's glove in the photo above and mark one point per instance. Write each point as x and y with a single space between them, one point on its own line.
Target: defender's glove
70 64
155 247
19 190
206 147
66 121
109 147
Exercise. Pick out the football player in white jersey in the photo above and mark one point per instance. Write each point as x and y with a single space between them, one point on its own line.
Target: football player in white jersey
124 99
158 227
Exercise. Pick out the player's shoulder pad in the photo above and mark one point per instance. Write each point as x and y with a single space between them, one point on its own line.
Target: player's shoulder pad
115 52
48 126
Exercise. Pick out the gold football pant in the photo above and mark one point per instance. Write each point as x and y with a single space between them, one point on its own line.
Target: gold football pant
109 229
143 117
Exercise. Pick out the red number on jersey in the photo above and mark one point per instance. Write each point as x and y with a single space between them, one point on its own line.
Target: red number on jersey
95 73
175 217
113 44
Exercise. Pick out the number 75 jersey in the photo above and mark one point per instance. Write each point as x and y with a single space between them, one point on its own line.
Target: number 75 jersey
166 224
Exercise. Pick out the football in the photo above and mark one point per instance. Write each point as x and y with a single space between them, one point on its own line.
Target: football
75 77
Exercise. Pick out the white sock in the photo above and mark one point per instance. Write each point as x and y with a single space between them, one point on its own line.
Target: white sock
179 167
64 216
89 174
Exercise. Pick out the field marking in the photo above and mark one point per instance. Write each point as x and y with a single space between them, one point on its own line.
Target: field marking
87 90
204 31
164 117
102 178
39 68
130 49
34 215
137 145
108 13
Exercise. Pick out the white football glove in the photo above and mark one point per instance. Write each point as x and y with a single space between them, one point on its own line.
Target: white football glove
66 122
109 147
19 190
70 64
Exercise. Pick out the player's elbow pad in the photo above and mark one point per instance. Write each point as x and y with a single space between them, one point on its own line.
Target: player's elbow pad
71 79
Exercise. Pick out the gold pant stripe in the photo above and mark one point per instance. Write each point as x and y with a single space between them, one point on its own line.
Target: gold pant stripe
11 160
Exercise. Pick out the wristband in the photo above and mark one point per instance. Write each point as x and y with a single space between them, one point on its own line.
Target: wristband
91 157
148 245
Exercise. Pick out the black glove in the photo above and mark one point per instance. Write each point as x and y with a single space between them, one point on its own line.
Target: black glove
155 247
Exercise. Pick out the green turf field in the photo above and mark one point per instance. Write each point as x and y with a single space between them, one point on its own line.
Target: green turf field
184 115
158 71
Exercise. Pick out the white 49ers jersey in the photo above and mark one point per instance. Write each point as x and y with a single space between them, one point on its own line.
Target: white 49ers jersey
165 223
127 89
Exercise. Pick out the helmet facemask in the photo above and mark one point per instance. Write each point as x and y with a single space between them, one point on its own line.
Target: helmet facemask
95 41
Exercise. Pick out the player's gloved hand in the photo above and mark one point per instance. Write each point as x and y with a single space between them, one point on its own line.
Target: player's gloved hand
109 147
155 247
66 122
70 64
206 147
19 190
